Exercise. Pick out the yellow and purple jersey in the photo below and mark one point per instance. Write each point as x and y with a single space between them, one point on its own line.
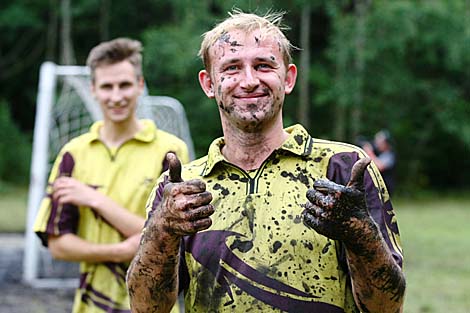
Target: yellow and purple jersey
126 174
258 256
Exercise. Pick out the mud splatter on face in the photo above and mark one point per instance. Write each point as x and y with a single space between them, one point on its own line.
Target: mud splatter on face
225 37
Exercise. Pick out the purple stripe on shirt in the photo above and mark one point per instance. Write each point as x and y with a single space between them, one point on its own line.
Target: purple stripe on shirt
209 247
99 299
118 270
67 214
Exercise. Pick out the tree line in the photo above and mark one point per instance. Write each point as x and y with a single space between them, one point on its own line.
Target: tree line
363 66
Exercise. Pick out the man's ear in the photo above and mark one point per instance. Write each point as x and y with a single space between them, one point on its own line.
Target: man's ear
206 83
291 77
92 88
141 84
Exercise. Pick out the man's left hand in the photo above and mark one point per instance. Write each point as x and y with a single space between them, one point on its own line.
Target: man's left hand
336 211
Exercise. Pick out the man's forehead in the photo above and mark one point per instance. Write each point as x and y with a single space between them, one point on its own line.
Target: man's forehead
238 37
238 40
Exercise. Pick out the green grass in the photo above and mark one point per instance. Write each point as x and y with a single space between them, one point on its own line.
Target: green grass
434 232
436 241
13 203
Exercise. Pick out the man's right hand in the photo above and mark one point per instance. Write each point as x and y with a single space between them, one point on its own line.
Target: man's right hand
185 208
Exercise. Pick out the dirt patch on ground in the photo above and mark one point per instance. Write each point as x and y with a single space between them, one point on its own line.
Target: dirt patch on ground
16 297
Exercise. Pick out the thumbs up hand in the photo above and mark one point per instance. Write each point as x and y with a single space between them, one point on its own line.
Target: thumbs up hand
185 208
340 212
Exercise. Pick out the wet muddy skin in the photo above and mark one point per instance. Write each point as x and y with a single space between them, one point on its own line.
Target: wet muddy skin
340 212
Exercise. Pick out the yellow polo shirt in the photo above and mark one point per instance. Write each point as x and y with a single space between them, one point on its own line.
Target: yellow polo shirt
258 255
125 174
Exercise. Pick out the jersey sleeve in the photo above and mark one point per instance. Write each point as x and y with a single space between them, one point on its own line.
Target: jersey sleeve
53 218
183 154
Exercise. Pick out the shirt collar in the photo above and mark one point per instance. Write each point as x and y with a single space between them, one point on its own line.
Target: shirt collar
146 134
299 143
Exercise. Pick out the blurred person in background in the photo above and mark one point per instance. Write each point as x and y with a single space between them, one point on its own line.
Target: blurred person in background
383 155
94 210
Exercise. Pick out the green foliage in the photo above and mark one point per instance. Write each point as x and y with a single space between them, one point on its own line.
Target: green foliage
15 149
406 69
13 203
415 80
21 14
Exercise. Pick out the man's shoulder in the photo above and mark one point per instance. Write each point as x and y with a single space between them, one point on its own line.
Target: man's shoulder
324 152
334 146
195 169
167 136
79 142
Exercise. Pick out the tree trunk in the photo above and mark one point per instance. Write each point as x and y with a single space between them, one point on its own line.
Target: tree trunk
52 31
341 58
67 53
303 113
105 10
361 8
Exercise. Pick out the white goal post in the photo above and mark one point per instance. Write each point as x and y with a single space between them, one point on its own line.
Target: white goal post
65 109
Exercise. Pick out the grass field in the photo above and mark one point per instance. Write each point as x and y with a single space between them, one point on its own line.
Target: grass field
435 236
436 240
13 203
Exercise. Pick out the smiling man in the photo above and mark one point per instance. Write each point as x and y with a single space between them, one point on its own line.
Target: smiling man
94 209
271 220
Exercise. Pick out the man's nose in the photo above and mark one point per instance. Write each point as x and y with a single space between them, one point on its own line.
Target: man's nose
116 94
250 78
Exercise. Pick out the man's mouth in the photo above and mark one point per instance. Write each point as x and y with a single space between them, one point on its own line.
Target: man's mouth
250 95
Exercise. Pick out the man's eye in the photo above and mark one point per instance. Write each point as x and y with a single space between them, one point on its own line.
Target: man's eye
263 66
125 85
231 68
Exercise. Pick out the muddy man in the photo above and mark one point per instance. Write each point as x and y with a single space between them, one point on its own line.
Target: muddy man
232 230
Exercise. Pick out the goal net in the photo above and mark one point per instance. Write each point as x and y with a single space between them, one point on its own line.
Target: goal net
66 109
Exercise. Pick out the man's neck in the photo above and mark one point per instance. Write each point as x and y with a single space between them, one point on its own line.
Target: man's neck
115 134
249 150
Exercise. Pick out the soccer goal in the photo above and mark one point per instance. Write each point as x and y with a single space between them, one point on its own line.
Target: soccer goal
66 109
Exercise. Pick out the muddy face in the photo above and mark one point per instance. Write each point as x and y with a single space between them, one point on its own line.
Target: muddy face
249 79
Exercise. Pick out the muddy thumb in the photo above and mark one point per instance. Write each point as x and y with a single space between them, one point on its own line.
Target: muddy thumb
357 174
174 166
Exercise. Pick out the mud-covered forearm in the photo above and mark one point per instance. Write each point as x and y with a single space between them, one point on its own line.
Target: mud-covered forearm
378 281
341 213
152 278
183 210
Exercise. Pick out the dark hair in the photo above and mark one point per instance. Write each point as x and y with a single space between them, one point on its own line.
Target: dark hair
114 51
385 134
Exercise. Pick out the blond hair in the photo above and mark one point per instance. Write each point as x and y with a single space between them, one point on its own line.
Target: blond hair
115 51
270 25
